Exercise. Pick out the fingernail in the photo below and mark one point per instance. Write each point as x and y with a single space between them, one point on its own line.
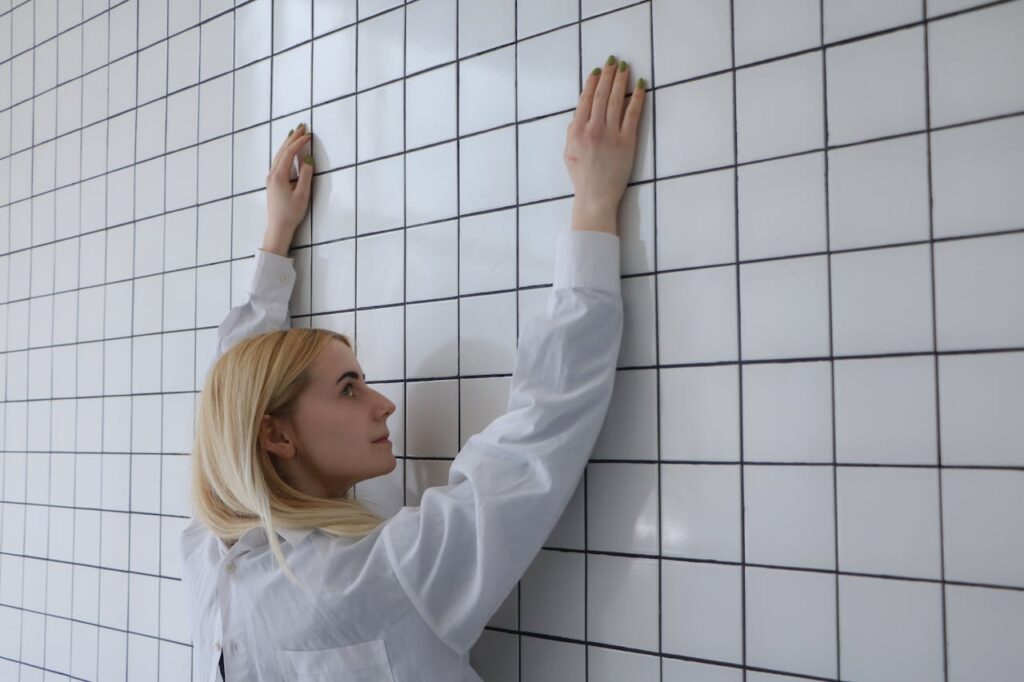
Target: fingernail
291 132
611 60
596 71
308 159
641 84
622 66
301 126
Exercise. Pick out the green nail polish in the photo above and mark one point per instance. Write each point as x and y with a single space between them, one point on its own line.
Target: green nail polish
641 84
309 159
611 60
291 132
623 66
596 71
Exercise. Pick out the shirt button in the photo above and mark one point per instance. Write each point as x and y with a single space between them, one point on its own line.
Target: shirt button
284 279
216 645
230 568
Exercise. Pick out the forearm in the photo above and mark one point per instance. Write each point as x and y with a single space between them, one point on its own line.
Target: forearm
277 240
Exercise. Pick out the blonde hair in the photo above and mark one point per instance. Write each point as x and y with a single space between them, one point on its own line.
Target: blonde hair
235 486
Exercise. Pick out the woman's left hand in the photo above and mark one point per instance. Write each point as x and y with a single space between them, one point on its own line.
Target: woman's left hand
287 199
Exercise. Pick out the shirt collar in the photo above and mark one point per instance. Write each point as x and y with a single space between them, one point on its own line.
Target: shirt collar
256 536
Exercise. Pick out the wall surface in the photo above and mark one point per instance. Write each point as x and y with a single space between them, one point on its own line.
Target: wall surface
813 464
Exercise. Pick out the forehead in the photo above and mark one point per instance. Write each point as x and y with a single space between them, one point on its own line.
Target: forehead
335 359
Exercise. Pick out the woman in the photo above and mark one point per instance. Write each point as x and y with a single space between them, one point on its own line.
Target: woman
286 574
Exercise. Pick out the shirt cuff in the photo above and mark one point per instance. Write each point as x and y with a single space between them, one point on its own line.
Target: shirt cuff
587 258
273 277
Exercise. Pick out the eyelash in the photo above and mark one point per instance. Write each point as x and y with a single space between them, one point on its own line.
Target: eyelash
347 386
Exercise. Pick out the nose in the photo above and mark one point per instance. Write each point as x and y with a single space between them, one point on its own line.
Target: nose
389 407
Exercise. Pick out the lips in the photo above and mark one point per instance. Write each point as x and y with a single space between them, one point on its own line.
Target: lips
382 438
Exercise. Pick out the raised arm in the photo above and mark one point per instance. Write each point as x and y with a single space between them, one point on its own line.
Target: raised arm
266 306
462 550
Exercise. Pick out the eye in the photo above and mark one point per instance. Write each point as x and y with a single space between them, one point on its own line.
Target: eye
347 387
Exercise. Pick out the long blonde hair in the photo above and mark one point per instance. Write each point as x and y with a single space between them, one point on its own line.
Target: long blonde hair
235 486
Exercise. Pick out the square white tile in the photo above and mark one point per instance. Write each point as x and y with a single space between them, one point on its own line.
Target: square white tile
430 34
630 426
547 73
431 105
972 59
842 20
699 413
381 49
487 249
974 284
981 635
779 108
432 183
629 526
379 115
707 330
784 308
878 193
974 169
762 30
487 334
791 621
876 87
702 134
622 601
979 399
706 234
890 629
979 512
377 257
487 90
432 258
881 301
789 518
435 327
787 412
700 511
888 521
885 411
701 610
690 39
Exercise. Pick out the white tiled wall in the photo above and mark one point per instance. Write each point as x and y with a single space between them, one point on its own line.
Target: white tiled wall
813 465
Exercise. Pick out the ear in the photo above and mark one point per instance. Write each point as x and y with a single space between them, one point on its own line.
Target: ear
276 437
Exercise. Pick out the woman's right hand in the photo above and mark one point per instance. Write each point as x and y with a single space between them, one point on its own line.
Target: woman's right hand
600 146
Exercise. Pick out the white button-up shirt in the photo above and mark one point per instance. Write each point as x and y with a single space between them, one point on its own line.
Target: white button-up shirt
408 601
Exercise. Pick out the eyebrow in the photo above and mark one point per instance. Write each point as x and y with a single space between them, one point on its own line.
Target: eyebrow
349 374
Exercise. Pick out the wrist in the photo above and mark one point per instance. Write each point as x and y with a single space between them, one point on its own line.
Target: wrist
596 217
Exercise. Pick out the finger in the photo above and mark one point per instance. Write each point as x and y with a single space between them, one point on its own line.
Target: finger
604 86
582 114
284 163
305 176
635 108
617 102
295 132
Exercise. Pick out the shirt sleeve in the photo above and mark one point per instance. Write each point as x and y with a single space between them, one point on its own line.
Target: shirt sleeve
462 550
266 306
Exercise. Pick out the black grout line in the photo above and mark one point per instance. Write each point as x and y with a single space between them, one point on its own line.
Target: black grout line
564 550
741 466
831 337
515 118
935 347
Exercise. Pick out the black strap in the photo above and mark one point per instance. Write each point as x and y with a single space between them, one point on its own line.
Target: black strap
222 665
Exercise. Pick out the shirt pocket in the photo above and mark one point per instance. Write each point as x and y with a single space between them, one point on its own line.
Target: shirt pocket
363 662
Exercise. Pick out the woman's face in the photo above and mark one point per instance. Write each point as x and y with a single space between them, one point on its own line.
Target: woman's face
329 444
